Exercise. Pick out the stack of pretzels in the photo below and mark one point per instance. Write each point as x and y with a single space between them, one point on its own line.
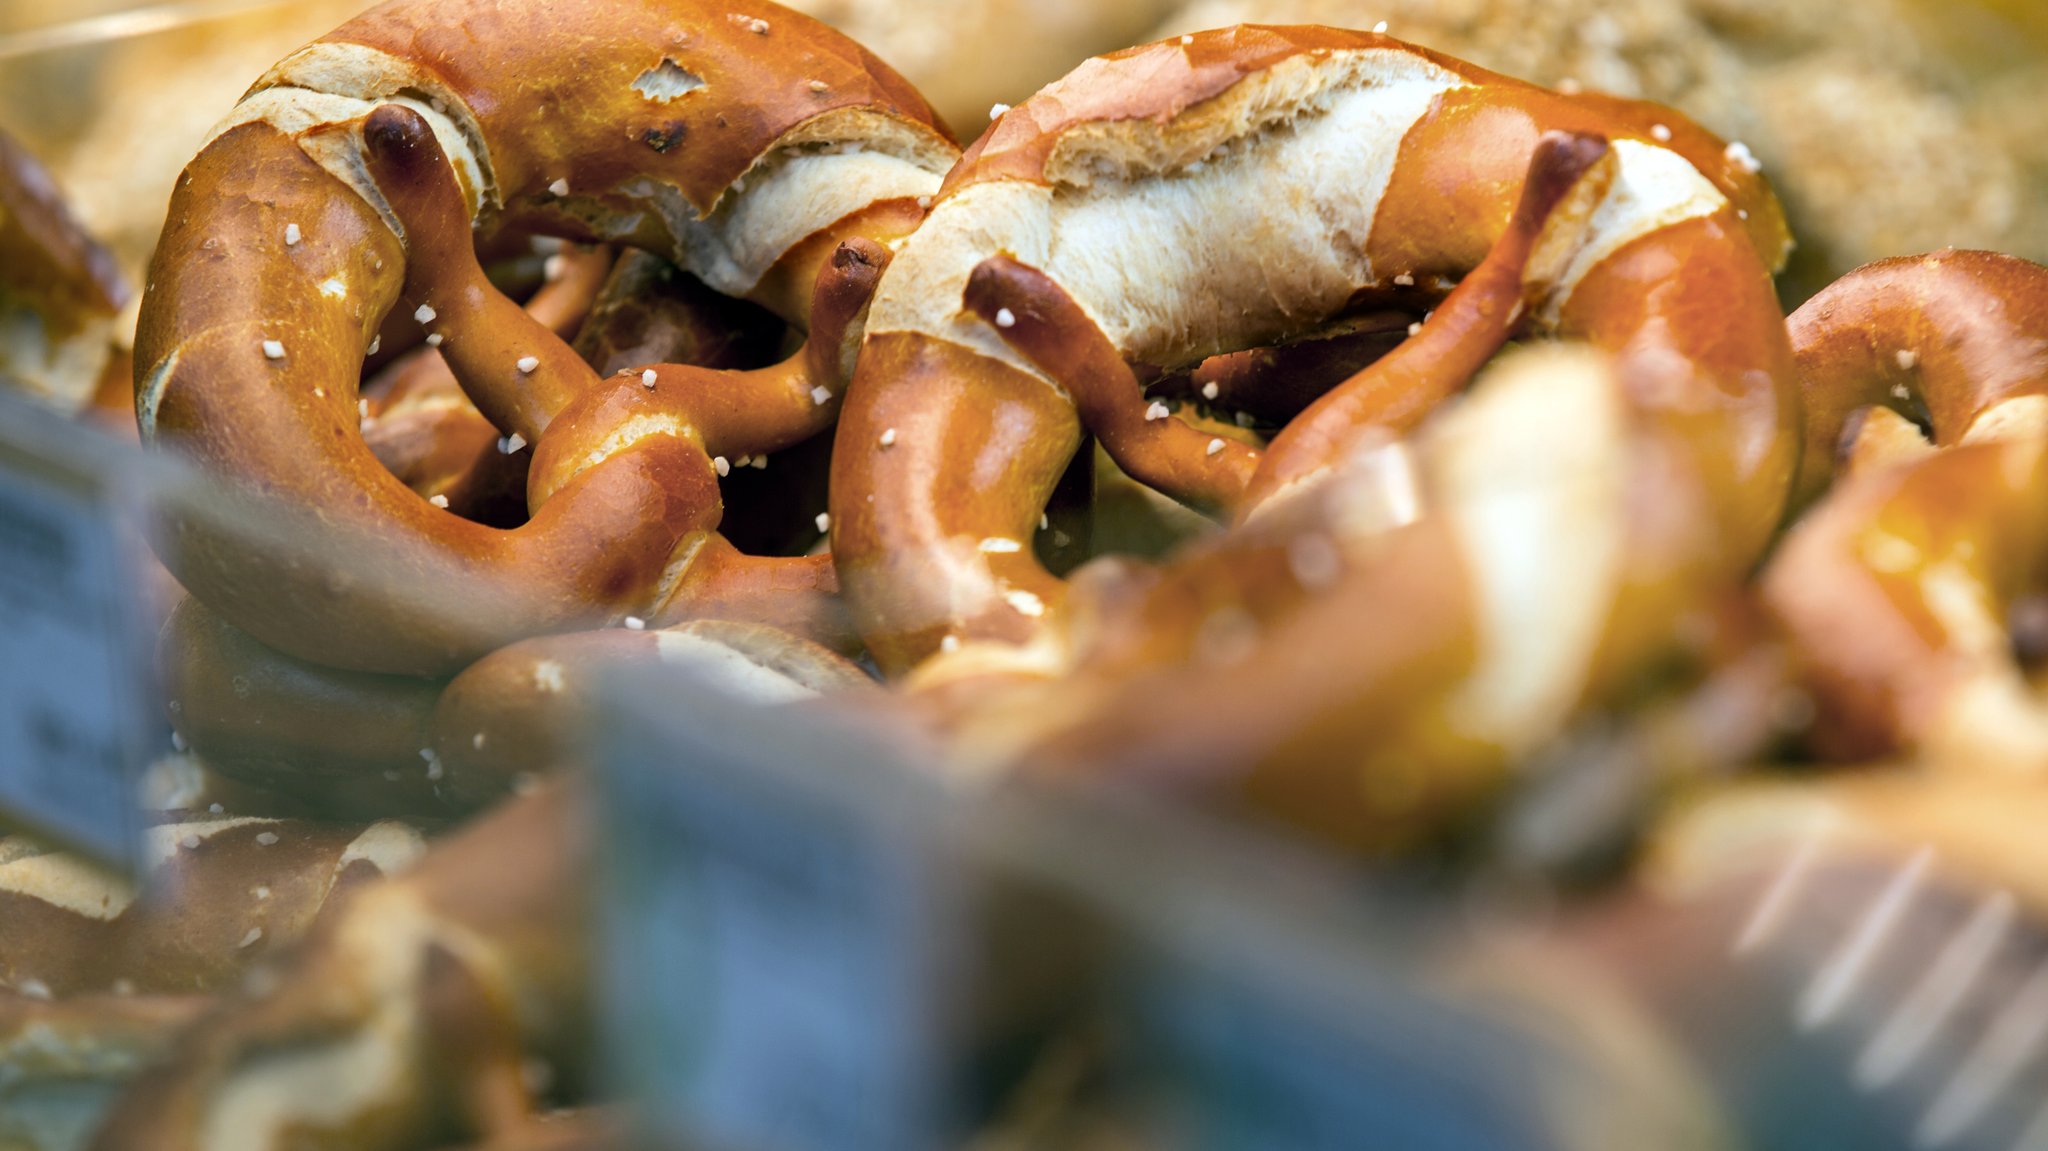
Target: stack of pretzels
531 341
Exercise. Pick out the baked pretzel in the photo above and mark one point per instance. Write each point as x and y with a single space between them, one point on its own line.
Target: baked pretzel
1899 589
406 1017
100 976
1225 190
60 290
357 744
221 894
1413 621
769 155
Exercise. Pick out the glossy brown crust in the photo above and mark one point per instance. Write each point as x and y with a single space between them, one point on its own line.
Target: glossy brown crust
967 464
1167 79
483 944
1941 337
764 70
216 904
345 743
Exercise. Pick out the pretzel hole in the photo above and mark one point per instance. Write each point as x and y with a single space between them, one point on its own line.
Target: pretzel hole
2026 622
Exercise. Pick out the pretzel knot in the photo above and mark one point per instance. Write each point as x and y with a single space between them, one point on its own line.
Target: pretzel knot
1910 591
337 205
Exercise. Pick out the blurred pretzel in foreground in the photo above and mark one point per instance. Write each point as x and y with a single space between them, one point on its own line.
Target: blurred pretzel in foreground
1912 590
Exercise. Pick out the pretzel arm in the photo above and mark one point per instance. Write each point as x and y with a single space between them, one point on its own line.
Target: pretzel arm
1052 331
513 366
1392 396
751 412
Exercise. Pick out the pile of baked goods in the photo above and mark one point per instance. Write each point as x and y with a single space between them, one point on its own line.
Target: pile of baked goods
528 342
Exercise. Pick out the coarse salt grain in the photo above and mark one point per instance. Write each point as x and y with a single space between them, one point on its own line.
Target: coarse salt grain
1005 318
819 86
995 111
950 643
189 843
216 809
1415 329
273 349
758 463
266 838
1157 411
721 465
888 437
634 623
824 521
424 314
997 545
821 395
291 234
376 344
559 187
551 269
511 443
434 341
1404 280
1215 446
438 500
647 377
1907 357
1210 391
1660 133
527 363
255 933
1025 602
1380 28
1738 154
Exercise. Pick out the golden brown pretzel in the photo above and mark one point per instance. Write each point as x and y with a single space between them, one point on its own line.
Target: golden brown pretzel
1897 588
221 894
59 289
406 1016
1416 620
1955 339
1153 188
763 151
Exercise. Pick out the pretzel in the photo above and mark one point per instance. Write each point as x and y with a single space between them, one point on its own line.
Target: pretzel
342 190
100 977
356 744
1413 622
1187 197
1897 589
1952 338
222 894
407 1013
60 290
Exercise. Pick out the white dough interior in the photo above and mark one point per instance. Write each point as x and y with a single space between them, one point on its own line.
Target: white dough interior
1264 235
